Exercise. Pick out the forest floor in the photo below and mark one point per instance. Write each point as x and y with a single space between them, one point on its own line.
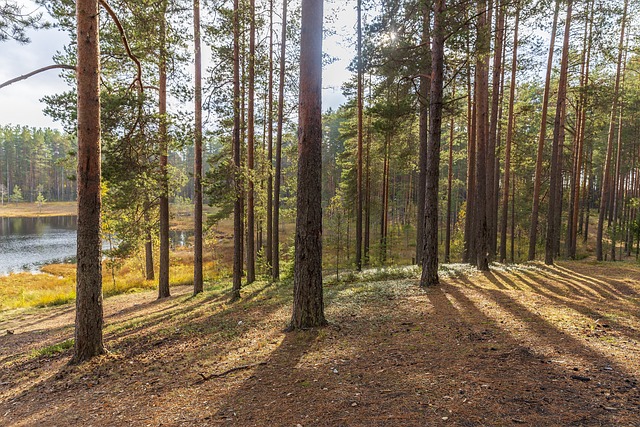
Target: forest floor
523 345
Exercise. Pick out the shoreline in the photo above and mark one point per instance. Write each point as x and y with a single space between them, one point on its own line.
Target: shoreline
32 210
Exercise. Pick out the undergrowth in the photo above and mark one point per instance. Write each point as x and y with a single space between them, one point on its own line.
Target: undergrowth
56 284
54 349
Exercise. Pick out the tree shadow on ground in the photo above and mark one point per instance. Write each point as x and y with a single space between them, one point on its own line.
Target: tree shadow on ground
444 362
464 353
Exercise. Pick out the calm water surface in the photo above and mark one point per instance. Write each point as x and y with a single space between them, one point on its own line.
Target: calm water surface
28 243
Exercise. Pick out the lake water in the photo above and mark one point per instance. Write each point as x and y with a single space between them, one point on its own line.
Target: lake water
28 243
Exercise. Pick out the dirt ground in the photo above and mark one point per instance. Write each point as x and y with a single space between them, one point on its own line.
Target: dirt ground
528 345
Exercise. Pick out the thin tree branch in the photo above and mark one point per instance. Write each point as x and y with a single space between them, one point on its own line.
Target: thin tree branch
123 36
227 372
38 71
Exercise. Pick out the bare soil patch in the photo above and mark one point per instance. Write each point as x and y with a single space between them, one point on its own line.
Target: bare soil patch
524 345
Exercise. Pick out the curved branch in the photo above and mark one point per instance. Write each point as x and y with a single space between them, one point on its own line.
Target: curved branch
123 36
38 71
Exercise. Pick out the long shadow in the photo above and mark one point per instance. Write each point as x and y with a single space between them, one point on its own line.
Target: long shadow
604 291
188 307
196 318
563 299
401 362
534 282
56 312
459 344
613 303
572 287
503 282
545 331
145 346
613 285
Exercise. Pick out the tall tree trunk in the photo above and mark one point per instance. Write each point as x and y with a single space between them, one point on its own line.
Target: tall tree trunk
447 240
606 178
359 192
430 254
269 244
278 176
88 326
148 245
616 178
507 152
492 197
251 228
555 185
513 218
367 208
198 285
496 170
237 207
537 182
423 102
588 197
469 233
163 285
308 305
482 121
384 202
572 229
583 202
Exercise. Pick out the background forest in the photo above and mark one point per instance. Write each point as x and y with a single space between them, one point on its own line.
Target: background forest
561 96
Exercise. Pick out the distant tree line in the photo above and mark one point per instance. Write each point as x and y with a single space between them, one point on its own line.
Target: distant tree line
37 161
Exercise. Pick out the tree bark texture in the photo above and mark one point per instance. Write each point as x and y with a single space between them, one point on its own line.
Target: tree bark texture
492 196
423 102
572 228
537 181
359 186
606 178
278 171
251 226
555 184
430 253
237 206
482 121
163 279
507 152
88 325
308 305
198 285
269 244
447 240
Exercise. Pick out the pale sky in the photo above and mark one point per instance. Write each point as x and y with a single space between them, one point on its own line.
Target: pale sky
20 102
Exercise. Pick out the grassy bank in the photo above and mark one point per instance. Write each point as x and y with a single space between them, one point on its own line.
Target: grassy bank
11 210
56 285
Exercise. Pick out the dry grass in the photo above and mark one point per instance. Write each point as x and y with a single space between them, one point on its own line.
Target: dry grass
32 209
56 284
35 290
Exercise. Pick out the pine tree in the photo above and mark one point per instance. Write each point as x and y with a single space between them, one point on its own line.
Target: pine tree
308 304
88 331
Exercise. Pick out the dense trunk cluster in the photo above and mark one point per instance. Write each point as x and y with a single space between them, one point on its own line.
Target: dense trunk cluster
512 181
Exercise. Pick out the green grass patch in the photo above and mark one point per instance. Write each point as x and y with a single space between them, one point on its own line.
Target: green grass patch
53 349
